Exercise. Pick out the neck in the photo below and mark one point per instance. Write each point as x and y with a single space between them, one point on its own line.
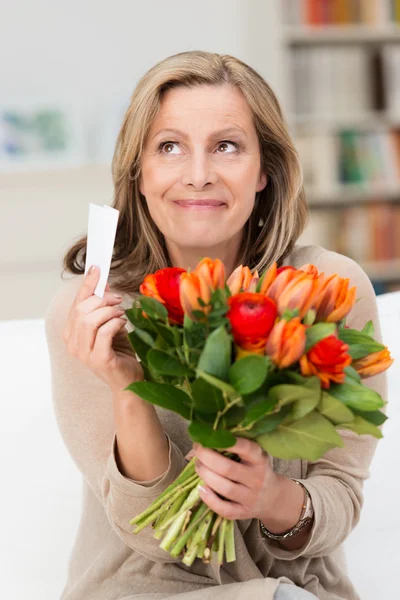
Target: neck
188 257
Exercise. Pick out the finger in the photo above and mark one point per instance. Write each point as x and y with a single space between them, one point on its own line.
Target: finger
227 509
249 452
90 326
190 454
231 490
221 464
103 351
88 285
79 311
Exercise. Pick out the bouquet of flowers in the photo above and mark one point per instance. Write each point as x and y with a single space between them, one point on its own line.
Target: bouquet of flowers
268 358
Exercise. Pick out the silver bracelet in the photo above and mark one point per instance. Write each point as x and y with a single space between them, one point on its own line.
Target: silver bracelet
306 517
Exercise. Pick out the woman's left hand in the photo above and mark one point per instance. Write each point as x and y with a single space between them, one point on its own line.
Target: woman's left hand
251 487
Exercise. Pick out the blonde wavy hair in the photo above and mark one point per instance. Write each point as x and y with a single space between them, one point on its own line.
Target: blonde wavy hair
280 210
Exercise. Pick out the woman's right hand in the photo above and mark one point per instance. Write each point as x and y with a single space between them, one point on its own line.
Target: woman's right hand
91 326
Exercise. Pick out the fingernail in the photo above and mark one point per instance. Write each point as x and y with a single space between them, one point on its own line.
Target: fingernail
202 489
92 269
117 296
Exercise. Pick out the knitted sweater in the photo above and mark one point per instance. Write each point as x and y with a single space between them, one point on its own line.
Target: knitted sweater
108 562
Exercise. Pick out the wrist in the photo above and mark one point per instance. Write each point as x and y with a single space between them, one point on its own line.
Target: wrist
286 507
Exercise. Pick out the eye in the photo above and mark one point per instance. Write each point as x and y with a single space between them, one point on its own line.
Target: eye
163 144
171 143
225 142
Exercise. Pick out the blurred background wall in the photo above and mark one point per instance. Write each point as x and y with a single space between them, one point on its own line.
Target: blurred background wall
67 74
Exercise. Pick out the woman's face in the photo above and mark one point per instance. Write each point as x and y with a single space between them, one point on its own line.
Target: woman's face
200 180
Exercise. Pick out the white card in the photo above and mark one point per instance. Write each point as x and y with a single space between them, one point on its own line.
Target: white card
102 228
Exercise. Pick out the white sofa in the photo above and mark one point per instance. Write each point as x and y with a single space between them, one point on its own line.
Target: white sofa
40 501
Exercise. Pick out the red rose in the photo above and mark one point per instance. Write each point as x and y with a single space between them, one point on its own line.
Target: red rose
252 317
327 360
163 285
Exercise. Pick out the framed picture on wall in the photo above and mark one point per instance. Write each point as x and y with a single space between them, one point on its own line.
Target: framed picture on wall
41 135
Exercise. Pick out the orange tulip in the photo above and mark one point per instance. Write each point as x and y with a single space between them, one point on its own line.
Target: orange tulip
252 317
242 279
163 285
335 300
268 279
310 270
374 363
281 280
296 289
208 276
286 342
190 292
211 274
327 360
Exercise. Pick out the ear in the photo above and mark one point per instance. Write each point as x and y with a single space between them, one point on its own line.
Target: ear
262 182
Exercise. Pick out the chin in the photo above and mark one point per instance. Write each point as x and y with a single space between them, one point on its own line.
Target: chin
203 239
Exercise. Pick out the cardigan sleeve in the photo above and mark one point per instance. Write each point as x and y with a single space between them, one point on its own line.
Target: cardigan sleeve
335 482
83 409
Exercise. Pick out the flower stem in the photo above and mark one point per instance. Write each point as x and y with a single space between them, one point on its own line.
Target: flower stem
230 541
149 518
192 550
201 512
172 532
225 410
190 501
188 474
221 545
173 509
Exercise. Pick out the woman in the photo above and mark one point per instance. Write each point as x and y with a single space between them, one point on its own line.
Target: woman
203 166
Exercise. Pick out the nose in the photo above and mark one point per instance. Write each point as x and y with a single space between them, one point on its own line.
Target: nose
198 170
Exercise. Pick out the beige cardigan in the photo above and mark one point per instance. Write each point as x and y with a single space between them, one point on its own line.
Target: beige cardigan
108 562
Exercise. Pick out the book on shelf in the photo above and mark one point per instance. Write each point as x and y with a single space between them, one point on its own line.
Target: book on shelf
340 12
367 233
350 157
345 81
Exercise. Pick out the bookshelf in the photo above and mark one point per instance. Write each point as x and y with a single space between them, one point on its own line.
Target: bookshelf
342 74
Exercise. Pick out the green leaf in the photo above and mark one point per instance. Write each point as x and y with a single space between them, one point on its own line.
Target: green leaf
286 393
352 375
308 438
318 332
208 437
334 409
145 336
305 405
376 417
293 377
356 395
249 373
139 346
360 343
369 329
218 383
166 364
267 424
216 356
167 333
259 409
309 317
206 397
289 314
362 427
233 416
164 395
153 308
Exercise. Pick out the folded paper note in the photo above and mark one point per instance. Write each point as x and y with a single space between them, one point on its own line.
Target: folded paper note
102 228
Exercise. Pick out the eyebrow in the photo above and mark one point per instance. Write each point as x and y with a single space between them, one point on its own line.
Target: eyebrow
215 134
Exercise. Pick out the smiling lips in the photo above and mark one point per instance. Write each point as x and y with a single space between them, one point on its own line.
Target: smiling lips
207 203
